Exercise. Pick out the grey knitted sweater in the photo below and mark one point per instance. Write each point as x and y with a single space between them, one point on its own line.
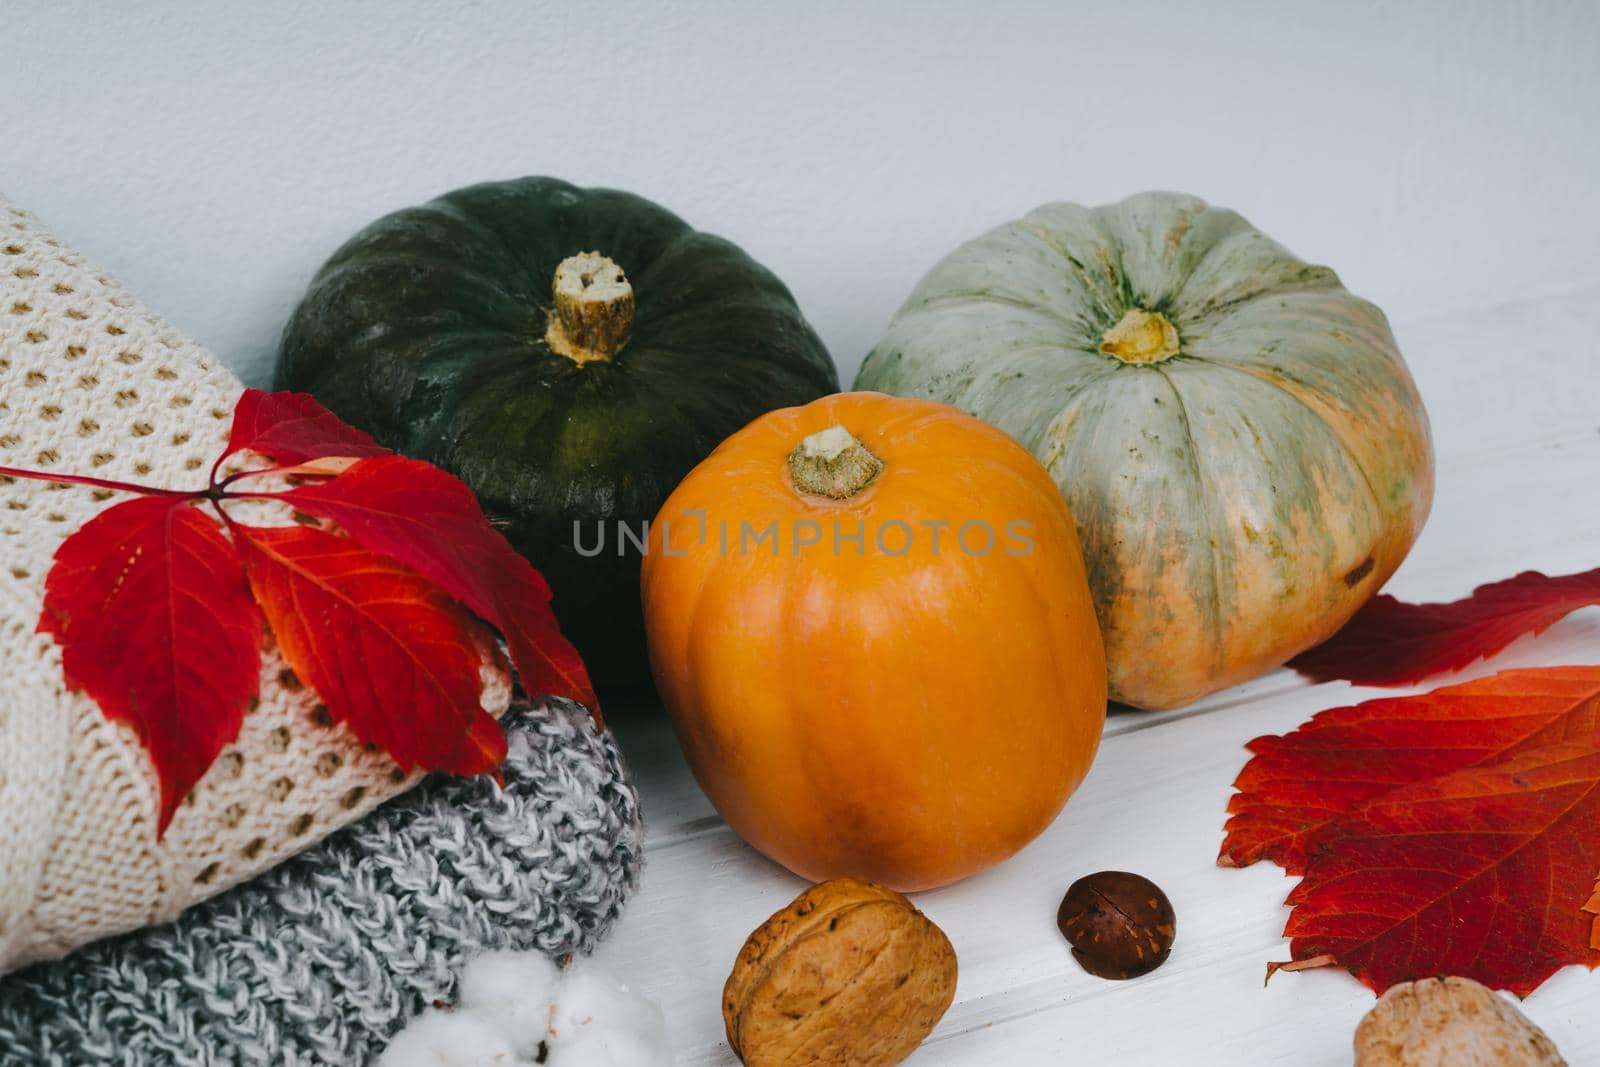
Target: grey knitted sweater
321 960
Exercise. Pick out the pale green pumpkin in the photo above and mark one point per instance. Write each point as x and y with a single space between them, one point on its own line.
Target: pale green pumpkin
1237 436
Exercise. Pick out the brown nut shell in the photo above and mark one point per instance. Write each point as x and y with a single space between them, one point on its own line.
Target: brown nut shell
1120 925
1450 1022
850 973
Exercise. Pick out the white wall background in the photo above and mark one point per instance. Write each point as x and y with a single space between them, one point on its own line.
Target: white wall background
1440 154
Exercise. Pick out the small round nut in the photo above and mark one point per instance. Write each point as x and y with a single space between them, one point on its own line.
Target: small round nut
1120 925
1450 1022
850 973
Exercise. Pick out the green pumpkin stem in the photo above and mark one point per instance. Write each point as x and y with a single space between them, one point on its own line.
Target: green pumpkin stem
593 310
1141 337
832 463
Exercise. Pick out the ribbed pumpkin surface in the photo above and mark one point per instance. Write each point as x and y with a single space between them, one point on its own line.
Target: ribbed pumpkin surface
428 330
1237 435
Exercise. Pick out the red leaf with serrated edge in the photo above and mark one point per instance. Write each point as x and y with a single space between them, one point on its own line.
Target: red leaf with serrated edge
292 428
375 614
149 605
1299 782
428 520
1390 642
387 651
1482 873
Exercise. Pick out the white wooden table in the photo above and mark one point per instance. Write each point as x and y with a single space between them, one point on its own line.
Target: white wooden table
1514 395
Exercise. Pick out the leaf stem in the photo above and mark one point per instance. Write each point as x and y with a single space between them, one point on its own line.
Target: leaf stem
98 483
253 494
222 486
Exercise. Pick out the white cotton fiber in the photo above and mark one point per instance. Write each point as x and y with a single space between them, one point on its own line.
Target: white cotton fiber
449 1039
591 997
602 1021
516 991
514 1006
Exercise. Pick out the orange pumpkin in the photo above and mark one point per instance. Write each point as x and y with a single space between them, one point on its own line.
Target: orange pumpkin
870 623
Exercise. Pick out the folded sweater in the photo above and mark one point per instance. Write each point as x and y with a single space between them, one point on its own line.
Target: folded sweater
321 960
93 383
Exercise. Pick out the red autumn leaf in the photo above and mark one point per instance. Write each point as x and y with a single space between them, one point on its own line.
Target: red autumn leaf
291 428
1390 642
387 651
1592 907
1299 782
1483 873
149 605
424 518
152 604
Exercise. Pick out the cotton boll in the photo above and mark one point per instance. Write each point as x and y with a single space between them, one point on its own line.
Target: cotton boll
449 1039
497 980
516 1007
592 1001
514 990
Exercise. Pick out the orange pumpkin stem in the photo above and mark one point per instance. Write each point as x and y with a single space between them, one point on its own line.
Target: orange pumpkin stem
1141 337
832 463
593 312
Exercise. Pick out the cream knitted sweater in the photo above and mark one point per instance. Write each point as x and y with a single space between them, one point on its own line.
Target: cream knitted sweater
93 383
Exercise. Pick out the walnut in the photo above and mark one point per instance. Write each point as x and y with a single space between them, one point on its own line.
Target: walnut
1450 1022
848 974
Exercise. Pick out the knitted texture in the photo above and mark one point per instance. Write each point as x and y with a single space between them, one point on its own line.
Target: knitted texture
93 383
322 960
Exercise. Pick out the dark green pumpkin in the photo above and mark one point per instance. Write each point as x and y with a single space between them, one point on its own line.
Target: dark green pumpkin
428 330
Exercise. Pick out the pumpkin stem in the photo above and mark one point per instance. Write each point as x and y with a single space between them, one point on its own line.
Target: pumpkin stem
593 309
832 463
1141 337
